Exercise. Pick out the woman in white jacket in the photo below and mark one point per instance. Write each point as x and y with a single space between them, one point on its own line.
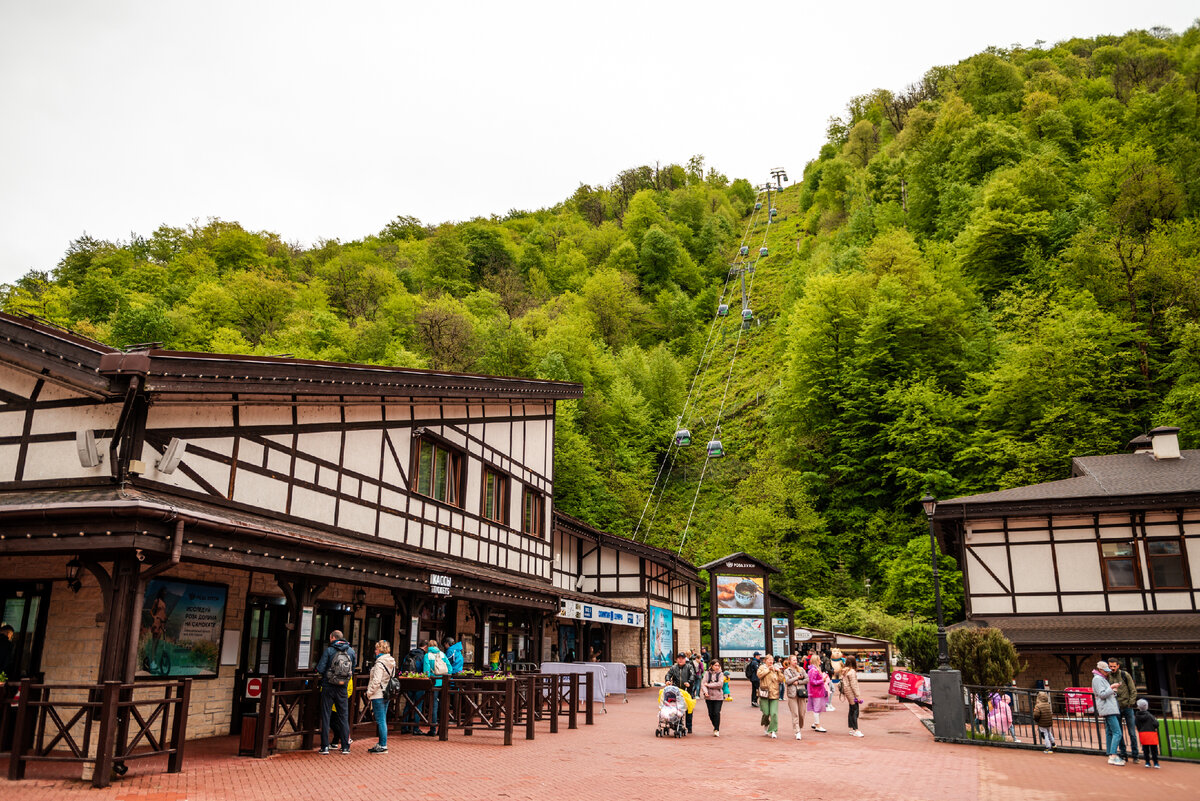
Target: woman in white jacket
381 673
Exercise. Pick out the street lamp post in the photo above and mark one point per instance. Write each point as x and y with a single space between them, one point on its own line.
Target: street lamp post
930 505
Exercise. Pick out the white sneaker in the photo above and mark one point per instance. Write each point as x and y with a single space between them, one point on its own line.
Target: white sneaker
831 708
773 735
1115 760
857 733
820 728
798 737
716 734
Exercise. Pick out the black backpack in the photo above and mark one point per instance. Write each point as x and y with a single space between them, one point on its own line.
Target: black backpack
341 668
752 670
414 661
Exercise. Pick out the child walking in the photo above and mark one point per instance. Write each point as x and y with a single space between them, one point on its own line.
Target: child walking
1043 716
1147 729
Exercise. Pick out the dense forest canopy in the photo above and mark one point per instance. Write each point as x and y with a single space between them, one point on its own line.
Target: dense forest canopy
979 277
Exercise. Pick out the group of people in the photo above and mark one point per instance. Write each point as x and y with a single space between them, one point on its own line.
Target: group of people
804 684
336 669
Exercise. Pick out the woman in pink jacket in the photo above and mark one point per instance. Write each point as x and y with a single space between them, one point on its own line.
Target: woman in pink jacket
817 698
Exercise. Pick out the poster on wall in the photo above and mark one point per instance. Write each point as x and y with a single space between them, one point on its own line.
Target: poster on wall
662 637
741 636
739 595
181 628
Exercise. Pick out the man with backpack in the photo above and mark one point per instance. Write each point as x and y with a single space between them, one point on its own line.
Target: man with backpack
336 669
436 666
752 674
413 662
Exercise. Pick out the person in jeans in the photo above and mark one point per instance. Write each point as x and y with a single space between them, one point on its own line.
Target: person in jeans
752 673
381 673
795 691
850 691
713 687
335 702
1105 696
683 676
1043 716
1126 701
770 681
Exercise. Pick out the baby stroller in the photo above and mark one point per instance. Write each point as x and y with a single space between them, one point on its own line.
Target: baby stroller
672 712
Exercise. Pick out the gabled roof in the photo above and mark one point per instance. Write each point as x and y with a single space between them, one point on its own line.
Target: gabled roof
739 561
93 367
1099 481
1098 631
660 556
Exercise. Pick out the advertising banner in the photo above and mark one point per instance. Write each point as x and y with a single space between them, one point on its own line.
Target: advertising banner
1079 700
662 637
739 595
906 685
741 636
181 627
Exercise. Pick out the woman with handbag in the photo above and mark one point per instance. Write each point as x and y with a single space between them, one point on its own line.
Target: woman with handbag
382 673
795 680
849 689
817 697
770 681
713 687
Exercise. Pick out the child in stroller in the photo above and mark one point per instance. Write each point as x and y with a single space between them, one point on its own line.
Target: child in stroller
673 706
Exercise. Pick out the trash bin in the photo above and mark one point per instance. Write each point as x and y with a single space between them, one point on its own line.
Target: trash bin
249 731
633 677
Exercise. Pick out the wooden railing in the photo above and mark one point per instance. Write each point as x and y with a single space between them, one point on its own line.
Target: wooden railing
102 724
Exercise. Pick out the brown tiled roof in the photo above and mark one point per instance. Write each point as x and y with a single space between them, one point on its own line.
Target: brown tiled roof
1111 476
1099 631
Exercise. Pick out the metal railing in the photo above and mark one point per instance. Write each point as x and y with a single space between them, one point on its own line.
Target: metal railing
105 725
1076 726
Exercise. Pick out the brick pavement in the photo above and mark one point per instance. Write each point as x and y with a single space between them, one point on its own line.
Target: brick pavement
619 758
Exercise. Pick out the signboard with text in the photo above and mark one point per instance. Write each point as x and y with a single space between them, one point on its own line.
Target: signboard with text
181 627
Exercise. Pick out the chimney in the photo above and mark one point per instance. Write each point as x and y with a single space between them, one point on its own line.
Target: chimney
1164 441
1139 444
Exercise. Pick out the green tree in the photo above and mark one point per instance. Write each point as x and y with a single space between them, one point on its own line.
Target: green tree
984 656
919 645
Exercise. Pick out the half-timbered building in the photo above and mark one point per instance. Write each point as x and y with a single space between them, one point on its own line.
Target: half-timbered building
1104 563
170 513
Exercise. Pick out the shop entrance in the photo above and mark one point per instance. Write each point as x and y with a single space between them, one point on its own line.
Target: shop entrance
264 650
24 606
380 625
328 618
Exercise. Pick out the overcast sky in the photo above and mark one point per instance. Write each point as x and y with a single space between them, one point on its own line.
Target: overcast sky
327 120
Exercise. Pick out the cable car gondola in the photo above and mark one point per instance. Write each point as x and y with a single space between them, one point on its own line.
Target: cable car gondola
683 437
714 449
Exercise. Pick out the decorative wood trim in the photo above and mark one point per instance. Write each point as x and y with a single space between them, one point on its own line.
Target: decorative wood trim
971 552
27 426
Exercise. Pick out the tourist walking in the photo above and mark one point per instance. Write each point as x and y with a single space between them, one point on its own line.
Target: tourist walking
698 669
1043 716
850 691
770 679
818 699
752 673
1105 696
336 669
713 687
382 673
683 676
1147 727
1127 703
795 691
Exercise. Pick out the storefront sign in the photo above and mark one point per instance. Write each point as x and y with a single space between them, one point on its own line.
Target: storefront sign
306 623
439 584
801 635
577 610
662 637
741 636
741 566
181 627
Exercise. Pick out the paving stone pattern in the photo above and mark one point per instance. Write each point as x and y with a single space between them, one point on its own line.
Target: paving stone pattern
619 758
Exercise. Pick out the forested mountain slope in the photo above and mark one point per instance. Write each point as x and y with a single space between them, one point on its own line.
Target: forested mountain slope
977 278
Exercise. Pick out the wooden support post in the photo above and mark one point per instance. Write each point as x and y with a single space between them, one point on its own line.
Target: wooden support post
510 707
443 721
265 725
589 696
573 700
22 733
553 701
106 743
310 710
179 733
530 706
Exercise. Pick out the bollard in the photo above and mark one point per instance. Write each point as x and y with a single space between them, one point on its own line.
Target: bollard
588 697
443 720
529 707
553 699
266 719
510 707
573 700
179 731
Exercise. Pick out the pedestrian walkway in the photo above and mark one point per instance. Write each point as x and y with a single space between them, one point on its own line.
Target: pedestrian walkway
620 758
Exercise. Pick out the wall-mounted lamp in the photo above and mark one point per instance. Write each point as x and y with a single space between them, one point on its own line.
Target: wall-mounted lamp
73 567
360 599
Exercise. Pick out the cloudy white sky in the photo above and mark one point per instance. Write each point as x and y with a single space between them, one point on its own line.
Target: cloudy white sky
326 120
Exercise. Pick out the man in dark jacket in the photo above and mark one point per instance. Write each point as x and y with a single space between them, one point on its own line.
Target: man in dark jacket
1127 701
683 676
334 699
752 674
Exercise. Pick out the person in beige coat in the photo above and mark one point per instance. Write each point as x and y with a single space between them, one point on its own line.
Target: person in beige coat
381 673
850 691
770 680
795 691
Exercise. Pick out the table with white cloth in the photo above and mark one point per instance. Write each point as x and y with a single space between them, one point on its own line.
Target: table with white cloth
616 680
597 669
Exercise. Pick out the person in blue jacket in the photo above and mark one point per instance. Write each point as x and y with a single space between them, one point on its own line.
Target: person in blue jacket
454 654
435 666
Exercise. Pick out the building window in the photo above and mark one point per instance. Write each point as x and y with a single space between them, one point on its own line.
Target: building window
495 496
1165 560
532 512
1119 565
439 471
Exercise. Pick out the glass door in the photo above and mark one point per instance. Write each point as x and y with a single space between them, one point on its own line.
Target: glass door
24 606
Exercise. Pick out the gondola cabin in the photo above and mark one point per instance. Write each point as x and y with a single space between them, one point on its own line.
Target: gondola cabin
714 449
745 250
757 206
762 251
683 437
723 310
747 315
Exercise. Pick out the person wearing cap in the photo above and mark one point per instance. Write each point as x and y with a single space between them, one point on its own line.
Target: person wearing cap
683 676
752 674
1105 696
1126 700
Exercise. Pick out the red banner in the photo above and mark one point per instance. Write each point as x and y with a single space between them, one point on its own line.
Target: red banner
905 685
1079 700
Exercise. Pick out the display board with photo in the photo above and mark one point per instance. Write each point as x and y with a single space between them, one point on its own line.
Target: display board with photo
181 628
739 595
662 637
741 636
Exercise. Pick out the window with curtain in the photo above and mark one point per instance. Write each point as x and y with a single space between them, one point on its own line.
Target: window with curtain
439 469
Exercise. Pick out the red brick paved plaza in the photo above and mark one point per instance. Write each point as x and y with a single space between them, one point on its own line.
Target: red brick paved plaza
619 758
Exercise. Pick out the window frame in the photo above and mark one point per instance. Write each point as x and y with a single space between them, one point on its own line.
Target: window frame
1137 586
503 504
539 498
455 469
1181 556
